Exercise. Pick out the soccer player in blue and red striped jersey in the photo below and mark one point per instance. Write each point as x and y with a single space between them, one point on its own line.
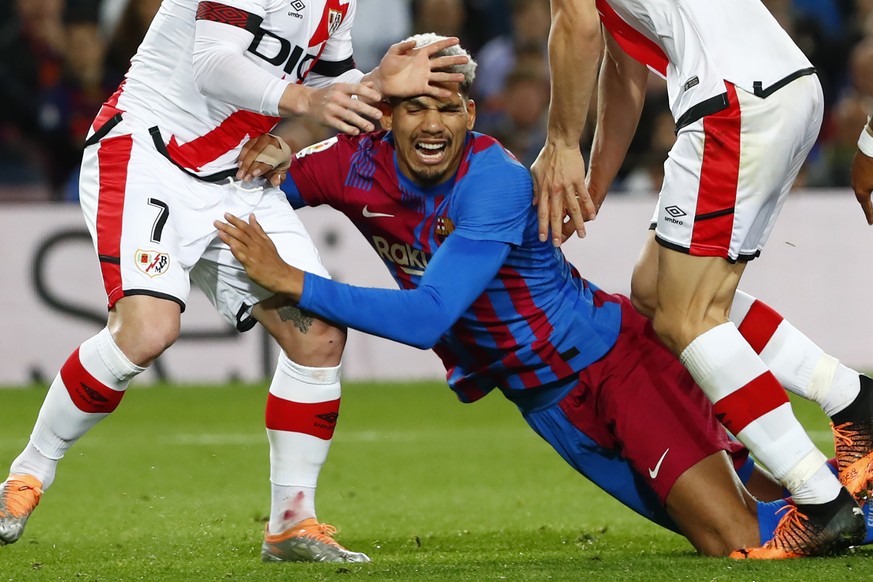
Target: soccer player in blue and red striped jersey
449 212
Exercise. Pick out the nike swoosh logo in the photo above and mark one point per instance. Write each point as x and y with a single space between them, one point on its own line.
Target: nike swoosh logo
653 473
368 214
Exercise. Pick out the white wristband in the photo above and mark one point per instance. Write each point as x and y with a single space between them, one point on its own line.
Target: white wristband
865 142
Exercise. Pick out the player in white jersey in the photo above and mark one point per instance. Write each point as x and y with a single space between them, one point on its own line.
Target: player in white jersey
159 167
747 107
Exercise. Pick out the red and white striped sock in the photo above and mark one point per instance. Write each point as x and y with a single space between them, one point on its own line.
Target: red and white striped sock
797 362
302 410
751 403
88 388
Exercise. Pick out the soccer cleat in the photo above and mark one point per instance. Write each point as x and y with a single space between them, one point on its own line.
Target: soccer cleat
800 534
853 442
307 541
19 496
853 447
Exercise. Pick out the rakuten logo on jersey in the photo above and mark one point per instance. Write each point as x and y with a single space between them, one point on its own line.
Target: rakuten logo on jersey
279 52
410 260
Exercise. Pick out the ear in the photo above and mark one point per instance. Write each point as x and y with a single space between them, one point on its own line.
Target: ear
471 114
387 111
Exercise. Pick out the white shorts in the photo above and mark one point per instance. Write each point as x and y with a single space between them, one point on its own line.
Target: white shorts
728 173
152 226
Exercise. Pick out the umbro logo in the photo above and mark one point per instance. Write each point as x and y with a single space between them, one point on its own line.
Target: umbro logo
297 7
367 214
329 418
94 395
675 213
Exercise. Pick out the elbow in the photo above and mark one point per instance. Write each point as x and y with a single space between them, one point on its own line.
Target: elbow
200 77
426 339
428 334
578 19
205 65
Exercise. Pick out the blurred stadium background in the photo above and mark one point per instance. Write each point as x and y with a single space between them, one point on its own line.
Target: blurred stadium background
59 59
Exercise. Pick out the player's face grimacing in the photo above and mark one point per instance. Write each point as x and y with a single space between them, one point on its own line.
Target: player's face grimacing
429 135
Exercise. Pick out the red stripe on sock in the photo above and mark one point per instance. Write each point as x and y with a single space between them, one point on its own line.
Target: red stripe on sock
738 409
759 325
317 418
86 391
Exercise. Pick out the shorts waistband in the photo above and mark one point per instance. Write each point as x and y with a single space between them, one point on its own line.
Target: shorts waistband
155 132
103 130
758 86
720 102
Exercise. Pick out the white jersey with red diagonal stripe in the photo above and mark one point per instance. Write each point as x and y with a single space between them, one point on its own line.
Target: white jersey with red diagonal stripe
204 134
698 44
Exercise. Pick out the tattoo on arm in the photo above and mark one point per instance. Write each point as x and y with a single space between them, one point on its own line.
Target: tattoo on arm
301 319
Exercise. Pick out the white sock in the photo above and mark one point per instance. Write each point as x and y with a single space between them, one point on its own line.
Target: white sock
749 401
797 362
302 408
88 387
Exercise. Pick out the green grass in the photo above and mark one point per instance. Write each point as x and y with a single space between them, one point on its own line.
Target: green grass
174 486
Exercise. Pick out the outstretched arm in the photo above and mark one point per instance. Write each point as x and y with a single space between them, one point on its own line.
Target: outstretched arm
862 171
559 170
455 276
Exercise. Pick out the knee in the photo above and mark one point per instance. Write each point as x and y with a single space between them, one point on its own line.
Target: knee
672 329
717 543
321 345
643 303
143 327
142 342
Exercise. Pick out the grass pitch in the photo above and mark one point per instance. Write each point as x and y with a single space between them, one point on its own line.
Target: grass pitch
174 486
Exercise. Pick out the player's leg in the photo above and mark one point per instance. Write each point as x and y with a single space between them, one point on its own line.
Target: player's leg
800 365
747 397
143 321
304 396
735 202
89 386
638 426
669 434
806 370
302 411
713 509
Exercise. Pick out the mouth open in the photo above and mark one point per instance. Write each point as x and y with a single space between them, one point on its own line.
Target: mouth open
431 152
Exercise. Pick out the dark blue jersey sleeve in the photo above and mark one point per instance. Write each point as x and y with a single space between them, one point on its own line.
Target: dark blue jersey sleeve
292 193
456 275
493 201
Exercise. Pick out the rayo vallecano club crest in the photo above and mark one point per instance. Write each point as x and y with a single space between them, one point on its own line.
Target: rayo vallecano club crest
334 19
152 263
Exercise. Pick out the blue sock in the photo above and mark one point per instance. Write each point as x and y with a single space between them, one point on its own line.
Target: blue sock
768 518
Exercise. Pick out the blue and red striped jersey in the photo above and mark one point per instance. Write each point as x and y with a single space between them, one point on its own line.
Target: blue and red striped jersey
537 323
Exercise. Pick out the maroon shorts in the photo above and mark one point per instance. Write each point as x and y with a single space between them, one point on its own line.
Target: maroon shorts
640 401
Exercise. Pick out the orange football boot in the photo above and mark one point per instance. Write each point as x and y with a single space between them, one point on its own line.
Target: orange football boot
307 541
19 496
